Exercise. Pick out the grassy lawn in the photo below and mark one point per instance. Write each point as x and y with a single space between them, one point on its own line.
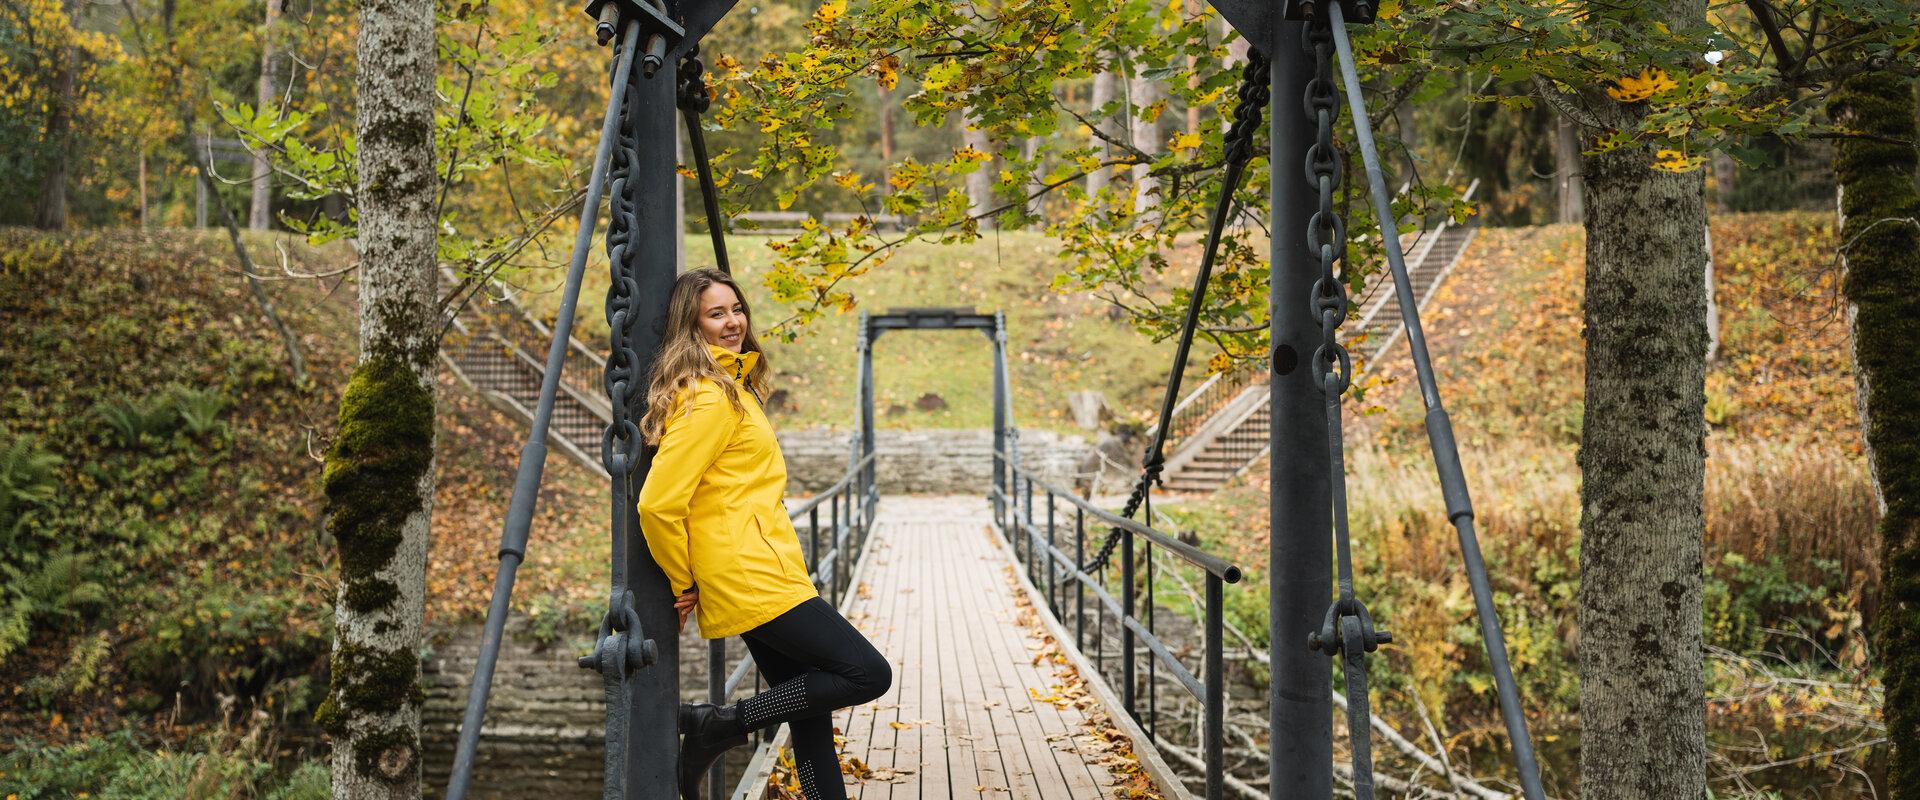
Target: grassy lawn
1057 343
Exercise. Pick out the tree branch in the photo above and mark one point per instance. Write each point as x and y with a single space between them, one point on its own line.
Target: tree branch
1763 14
1573 111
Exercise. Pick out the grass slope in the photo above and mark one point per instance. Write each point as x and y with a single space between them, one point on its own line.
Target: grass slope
1056 343
1790 565
172 565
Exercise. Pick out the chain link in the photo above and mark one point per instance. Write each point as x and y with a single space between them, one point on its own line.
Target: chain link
1347 631
619 649
692 97
1237 150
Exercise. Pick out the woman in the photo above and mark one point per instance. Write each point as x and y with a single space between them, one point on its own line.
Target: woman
714 520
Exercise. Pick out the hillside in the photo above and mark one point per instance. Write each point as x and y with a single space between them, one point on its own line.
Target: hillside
1056 343
173 552
1790 558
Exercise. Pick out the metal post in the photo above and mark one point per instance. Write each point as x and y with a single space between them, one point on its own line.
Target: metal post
1053 583
813 540
1079 589
1215 734
1028 528
834 540
1153 664
652 252
1300 542
717 694
1000 424
867 473
1126 631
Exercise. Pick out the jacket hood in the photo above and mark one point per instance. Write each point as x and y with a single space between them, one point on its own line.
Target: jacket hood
734 364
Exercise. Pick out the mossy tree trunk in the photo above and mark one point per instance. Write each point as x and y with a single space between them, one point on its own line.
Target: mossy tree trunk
1880 236
379 472
1642 458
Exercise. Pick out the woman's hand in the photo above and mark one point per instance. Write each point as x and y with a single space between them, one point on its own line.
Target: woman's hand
685 604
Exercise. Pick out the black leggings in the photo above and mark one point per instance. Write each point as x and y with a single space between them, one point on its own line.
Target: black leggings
817 664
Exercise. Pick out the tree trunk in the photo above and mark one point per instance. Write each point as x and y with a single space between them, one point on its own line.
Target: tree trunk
1106 86
1713 303
979 181
260 214
1881 252
1726 177
50 213
1144 134
1036 179
886 126
1642 463
143 187
1566 173
379 472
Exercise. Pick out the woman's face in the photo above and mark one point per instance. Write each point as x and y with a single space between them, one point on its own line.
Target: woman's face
723 321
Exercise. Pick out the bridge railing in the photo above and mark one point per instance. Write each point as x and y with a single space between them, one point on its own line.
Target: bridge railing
1066 578
849 506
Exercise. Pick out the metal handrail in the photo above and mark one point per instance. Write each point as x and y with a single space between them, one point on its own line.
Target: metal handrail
1064 579
1214 565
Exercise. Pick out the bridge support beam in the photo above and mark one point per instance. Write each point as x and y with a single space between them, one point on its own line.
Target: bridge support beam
653 251
1300 544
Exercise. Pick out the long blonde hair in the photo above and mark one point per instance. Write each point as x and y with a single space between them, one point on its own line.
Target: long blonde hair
684 359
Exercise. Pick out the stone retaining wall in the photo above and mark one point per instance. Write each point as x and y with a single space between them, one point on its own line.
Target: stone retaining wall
934 461
546 717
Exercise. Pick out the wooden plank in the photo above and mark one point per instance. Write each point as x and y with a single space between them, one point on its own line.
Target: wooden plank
986 700
1062 727
879 738
941 609
932 781
1042 777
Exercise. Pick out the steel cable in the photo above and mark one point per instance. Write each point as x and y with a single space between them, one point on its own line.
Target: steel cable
1446 455
1237 148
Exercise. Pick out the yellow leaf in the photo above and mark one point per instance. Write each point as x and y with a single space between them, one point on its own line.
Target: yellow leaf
830 11
1676 161
1635 88
899 726
847 180
887 72
1184 140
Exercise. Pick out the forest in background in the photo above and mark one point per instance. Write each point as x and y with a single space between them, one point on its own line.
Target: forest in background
105 108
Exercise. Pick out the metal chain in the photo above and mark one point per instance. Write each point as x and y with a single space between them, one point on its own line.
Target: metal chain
620 650
692 98
1237 149
1347 631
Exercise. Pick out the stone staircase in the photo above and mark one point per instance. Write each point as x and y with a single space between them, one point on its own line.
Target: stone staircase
1222 427
500 350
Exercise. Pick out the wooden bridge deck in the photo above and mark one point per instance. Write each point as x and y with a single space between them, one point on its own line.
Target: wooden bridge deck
980 705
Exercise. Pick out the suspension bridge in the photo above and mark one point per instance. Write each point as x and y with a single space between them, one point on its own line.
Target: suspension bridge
1022 622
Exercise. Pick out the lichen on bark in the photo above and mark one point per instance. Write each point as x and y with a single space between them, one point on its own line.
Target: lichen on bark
1879 206
1642 466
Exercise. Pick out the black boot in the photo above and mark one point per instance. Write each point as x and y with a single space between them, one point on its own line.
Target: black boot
707 732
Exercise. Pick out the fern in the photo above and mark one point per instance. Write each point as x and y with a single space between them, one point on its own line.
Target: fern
199 409
81 672
139 421
62 588
27 479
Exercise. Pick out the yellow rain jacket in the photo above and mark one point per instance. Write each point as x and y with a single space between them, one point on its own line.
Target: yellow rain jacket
712 509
